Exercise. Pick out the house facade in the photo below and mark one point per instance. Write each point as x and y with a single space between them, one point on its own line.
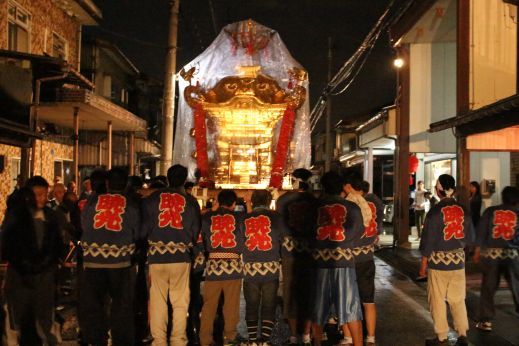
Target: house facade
459 56
67 104
37 39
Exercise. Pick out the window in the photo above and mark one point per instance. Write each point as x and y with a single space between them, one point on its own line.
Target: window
124 96
59 46
18 20
15 171
63 169
107 86
436 168
58 169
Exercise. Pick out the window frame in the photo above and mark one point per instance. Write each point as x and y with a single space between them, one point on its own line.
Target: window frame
14 21
65 41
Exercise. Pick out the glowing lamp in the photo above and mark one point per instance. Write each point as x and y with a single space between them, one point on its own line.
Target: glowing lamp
398 62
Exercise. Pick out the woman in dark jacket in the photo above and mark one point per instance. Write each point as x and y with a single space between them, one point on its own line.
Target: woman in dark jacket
475 202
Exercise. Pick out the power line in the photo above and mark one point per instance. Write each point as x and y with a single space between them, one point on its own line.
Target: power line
132 39
352 67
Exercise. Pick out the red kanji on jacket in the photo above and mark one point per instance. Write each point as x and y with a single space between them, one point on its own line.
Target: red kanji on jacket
330 221
298 215
505 222
222 231
171 207
371 229
109 211
257 231
453 217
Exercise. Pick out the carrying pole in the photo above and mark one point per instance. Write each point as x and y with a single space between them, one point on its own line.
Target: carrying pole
168 111
328 142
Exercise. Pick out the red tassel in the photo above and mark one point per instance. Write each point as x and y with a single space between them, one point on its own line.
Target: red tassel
250 46
285 136
201 140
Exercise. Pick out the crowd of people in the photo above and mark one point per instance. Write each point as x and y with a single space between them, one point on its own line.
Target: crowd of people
194 263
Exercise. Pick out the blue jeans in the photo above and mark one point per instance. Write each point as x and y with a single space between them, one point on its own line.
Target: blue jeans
336 292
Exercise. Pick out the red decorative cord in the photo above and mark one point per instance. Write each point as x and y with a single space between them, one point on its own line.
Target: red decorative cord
285 136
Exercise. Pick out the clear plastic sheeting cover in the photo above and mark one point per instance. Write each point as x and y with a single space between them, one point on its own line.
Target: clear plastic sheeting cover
222 59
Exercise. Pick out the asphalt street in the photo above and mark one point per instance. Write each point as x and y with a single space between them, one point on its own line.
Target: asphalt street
403 314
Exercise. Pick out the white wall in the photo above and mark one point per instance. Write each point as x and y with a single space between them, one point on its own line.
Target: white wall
491 165
433 95
493 56
493 51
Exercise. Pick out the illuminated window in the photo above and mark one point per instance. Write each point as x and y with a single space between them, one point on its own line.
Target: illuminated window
59 47
18 23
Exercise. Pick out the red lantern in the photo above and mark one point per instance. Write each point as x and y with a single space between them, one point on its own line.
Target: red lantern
413 164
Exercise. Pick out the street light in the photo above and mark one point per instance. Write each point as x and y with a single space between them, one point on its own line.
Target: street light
398 62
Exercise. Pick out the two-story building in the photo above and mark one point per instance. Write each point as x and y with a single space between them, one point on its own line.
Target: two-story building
458 56
118 80
39 45
54 121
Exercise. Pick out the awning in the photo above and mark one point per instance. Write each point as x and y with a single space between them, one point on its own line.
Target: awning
46 66
380 131
94 112
496 116
15 134
353 158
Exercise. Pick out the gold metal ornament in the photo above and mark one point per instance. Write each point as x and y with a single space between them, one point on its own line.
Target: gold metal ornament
245 109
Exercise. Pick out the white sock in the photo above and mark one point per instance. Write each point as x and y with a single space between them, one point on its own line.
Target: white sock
347 340
370 339
306 339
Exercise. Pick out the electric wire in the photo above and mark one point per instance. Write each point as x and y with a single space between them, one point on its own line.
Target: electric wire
352 67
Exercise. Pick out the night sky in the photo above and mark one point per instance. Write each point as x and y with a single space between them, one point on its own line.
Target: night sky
140 29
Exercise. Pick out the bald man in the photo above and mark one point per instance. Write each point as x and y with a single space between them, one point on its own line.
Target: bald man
58 192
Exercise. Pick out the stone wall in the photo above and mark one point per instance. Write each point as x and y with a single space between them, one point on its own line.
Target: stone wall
46 153
6 178
46 18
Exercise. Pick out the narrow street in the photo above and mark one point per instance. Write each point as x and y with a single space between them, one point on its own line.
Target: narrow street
403 310
403 316
251 140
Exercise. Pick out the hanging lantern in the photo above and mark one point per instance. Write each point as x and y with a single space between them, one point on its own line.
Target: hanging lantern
413 164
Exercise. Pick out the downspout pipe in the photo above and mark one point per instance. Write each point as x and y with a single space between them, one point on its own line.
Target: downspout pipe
34 120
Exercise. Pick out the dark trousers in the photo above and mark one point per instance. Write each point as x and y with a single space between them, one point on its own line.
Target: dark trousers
492 271
195 307
30 305
260 297
419 219
141 302
108 291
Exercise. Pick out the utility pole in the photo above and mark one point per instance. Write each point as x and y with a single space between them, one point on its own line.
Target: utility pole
328 143
168 111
